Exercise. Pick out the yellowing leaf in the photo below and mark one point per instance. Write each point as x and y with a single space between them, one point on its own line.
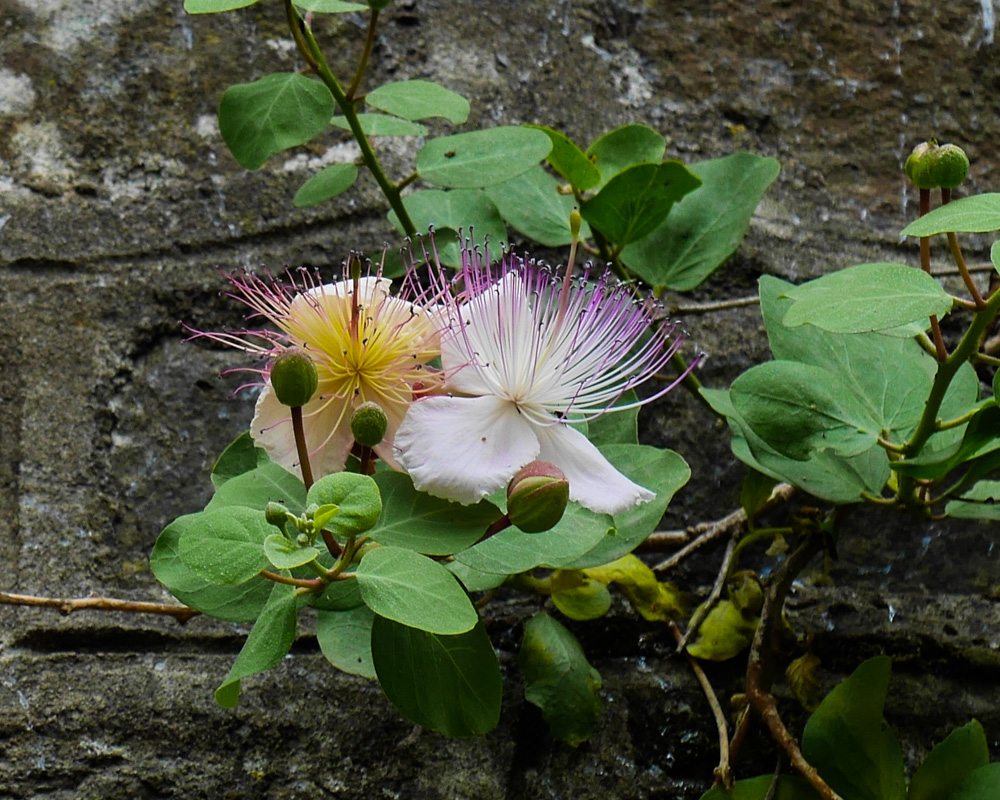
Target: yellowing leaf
723 633
803 678
579 597
656 601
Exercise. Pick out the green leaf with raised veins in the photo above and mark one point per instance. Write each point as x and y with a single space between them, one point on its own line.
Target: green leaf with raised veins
634 202
790 787
415 100
470 210
531 204
383 125
226 547
964 750
451 684
481 158
415 591
345 637
570 161
255 489
995 255
983 782
701 233
623 147
867 297
284 554
846 740
825 475
977 214
241 603
242 455
799 409
357 499
215 6
267 644
512 551
328 182
659 470
558 679
982 501
277 112
417 521
330 6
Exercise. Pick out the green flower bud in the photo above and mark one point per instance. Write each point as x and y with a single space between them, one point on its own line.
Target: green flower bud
536 497
294 378
276 514
918 165
949 166
369 424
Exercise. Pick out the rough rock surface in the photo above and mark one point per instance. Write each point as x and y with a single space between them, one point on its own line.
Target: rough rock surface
119 206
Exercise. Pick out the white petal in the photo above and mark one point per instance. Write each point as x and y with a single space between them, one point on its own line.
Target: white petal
593 482
463 448
328 443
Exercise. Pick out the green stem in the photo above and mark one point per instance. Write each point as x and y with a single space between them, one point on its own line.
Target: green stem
756 536
365 55
307 43
303 583
941 353
954 423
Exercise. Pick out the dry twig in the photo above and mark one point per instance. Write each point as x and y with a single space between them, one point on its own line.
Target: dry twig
66 606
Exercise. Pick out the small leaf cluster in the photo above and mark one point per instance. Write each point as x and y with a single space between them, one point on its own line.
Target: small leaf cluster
860 402
858 756
389 571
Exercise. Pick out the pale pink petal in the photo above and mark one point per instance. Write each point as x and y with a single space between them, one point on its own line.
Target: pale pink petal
328 442
593 482
464 448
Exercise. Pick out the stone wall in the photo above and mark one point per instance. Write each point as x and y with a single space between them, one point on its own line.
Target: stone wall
120 207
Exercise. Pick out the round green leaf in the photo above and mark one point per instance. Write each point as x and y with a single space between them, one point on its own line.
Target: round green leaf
623 147
467 209
242 455
256 488
979 213
277 112
415 591
981 783
215 6
481 158
383 125
701 233
512 551
661 471
414 100
450 684
241 603
328 182
345 638
226 546
356 496
633 203
867 297
531 204
964 750
425 524
284 554
558 679
570 161
267 644
846 740
330 6
799 410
